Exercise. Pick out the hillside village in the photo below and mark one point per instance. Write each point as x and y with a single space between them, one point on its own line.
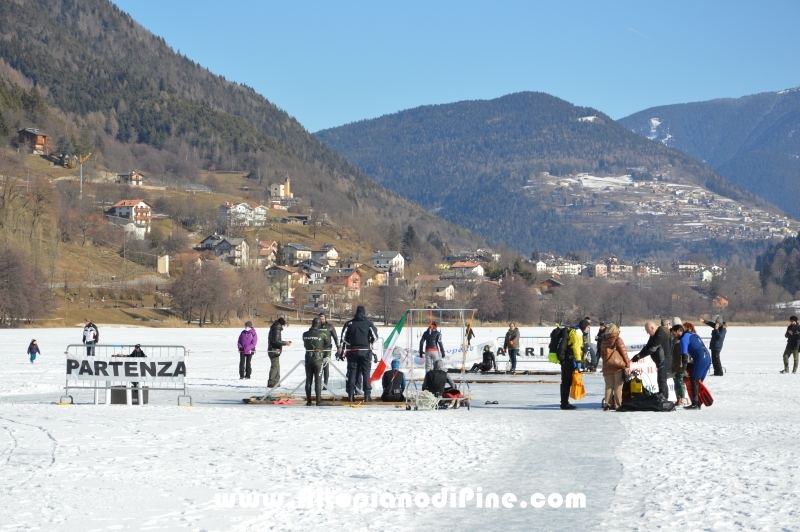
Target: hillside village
317 275
679 210
308 265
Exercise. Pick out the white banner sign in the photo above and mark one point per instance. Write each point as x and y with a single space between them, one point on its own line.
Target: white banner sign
126 369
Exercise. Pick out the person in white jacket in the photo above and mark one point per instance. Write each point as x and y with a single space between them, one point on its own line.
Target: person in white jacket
90 336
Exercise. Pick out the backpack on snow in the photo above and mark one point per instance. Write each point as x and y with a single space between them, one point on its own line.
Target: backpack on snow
559 337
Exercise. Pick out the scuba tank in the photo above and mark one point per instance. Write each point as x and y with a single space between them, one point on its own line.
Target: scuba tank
636 385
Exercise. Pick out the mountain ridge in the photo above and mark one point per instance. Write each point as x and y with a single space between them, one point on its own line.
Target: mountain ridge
110 75
752 140
444 156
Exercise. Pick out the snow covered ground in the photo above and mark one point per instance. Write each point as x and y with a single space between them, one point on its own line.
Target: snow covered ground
733 466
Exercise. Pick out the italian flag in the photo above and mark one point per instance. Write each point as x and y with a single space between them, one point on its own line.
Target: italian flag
388 348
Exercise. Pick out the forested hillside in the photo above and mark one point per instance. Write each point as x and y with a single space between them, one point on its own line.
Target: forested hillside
469 161
780 265
149 108
753 141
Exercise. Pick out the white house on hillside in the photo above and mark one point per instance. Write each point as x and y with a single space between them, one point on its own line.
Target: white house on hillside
242 214
389 261
138 211
327 253
462 268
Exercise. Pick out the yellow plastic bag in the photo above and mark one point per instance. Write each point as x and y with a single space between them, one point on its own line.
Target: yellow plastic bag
577 391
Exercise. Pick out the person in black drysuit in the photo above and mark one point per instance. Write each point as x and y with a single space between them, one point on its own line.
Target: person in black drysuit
659 348
314 341
330 339
488 363
275 346
358 335
394 383
430 346
717 339
437 380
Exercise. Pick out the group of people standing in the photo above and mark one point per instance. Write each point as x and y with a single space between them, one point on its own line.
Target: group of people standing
674 347
677 352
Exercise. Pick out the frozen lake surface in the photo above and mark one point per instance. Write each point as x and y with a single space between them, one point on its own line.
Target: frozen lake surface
733 466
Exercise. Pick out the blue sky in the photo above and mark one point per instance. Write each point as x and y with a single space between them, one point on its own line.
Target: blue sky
331 63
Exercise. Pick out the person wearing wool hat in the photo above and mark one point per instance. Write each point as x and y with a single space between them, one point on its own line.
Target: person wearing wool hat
394 383
314 340
247 348
792 344
717 339
275 347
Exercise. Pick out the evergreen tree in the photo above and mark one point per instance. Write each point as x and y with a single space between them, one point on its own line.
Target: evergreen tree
85 144
393 238
65 146
410 241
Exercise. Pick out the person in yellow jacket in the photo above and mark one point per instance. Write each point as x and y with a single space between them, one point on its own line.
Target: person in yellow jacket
575 344
573 359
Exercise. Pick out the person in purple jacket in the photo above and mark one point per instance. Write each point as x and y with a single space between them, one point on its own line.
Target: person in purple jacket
247 348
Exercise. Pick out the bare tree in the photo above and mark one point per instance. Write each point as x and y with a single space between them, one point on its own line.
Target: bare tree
21 292
519 302
252 289
487 302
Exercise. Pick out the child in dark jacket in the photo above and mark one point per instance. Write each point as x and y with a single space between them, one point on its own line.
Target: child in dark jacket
33 350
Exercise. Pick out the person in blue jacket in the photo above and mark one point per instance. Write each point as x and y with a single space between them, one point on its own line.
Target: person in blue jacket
692 346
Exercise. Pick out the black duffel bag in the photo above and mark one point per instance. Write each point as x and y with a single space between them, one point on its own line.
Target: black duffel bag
647 403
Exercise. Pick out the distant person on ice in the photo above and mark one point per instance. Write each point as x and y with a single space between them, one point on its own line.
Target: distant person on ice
437 380
792 344
358 335
430 346
33 350
511 345
91 335
488 362
717 339
659 349
248 339
275 347
394 383
314 340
